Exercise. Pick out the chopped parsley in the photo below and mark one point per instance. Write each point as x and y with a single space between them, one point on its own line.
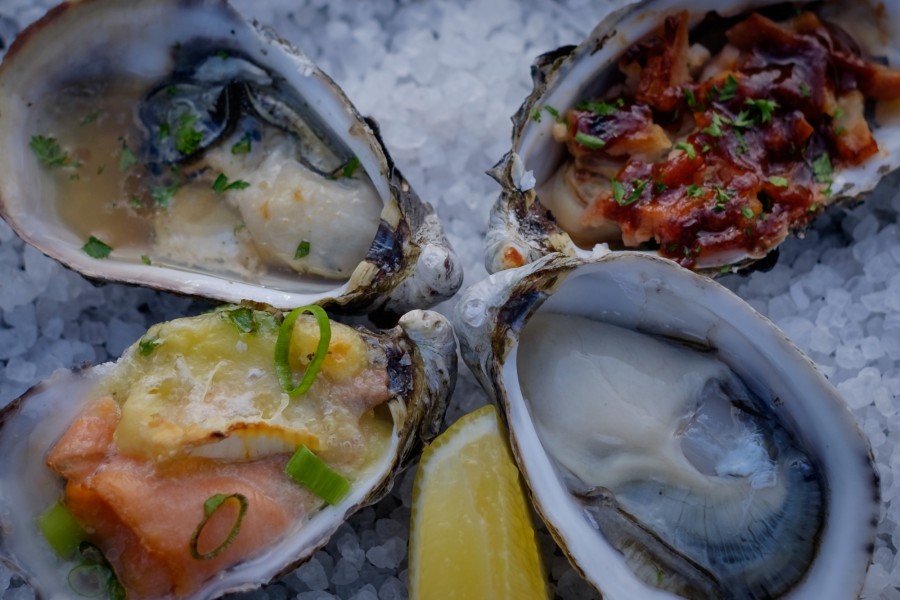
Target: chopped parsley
243 319
350 168
637 189
536 115
146 259
90 117
554 113
302 250
715 129
163 194
187 139
127 159
728 90
778 181
49 151
742 144
221 184
164 131
601 108
242 147
660 187
589 141
743 120
747 212
804 90
688 148
722 198
147 345
691 100
822 169
694 190
96 248
705 148
765 108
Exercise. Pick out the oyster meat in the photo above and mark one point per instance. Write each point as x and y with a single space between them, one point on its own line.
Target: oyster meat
209 157
705 134
672 439
196 412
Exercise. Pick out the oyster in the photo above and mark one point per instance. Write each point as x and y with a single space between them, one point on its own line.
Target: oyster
703 132
182 148
195 411
719 466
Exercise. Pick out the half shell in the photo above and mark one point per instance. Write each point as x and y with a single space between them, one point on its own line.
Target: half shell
521 227
418 357
172 54
658 298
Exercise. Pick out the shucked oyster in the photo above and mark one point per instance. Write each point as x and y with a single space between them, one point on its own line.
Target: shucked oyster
174 145
174 461
704 132
673 440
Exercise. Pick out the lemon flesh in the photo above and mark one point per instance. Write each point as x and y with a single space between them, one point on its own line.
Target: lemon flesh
472 533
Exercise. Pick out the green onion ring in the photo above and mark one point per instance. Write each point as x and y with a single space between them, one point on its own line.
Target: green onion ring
212 504
94 574
283 347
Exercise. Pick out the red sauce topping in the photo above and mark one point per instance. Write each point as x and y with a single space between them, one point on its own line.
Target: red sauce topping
760 132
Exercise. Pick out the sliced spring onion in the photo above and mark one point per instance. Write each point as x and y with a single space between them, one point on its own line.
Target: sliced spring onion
89 580
283 347
308 470
61 530
213 504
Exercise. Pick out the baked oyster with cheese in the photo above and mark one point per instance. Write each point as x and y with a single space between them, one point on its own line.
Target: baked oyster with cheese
703 133
174 145
219 451
673 440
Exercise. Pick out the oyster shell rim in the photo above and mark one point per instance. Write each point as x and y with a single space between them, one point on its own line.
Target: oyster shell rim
423 337
519 233
399 272
489 318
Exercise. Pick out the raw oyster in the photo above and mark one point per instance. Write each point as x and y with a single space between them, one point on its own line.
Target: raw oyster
698 168
723 467
193 410
182 148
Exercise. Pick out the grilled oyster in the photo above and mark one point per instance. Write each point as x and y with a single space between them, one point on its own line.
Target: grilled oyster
195 411
723 466
704 133
182 148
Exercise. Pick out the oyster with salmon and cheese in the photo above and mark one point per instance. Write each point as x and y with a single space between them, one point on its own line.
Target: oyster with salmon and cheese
219 451
703 133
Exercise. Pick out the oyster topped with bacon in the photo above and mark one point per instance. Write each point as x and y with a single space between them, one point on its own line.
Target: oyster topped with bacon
706 139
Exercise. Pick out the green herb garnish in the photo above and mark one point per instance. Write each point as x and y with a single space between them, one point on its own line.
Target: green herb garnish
691 100
146 259
96 248
311 472
822 169
715 129
187 139
742 144
49 151
728 90
747 212
221 184
163 194
589 141
127 159
688 148
302 250
90 117
242 147
147 345
243 319
213 504
804 90
743 120
554 113
350 168
694 190
778 181
536 115
283 347
637 188
765 108
600 107
165 130
61 530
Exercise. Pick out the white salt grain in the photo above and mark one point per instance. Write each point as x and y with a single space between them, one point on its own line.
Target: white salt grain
312 573
387 555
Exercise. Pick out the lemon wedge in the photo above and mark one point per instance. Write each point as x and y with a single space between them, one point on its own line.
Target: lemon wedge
472 534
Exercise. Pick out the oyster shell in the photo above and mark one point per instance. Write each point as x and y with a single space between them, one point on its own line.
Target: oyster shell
522 228
213 158
409 372
620 465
